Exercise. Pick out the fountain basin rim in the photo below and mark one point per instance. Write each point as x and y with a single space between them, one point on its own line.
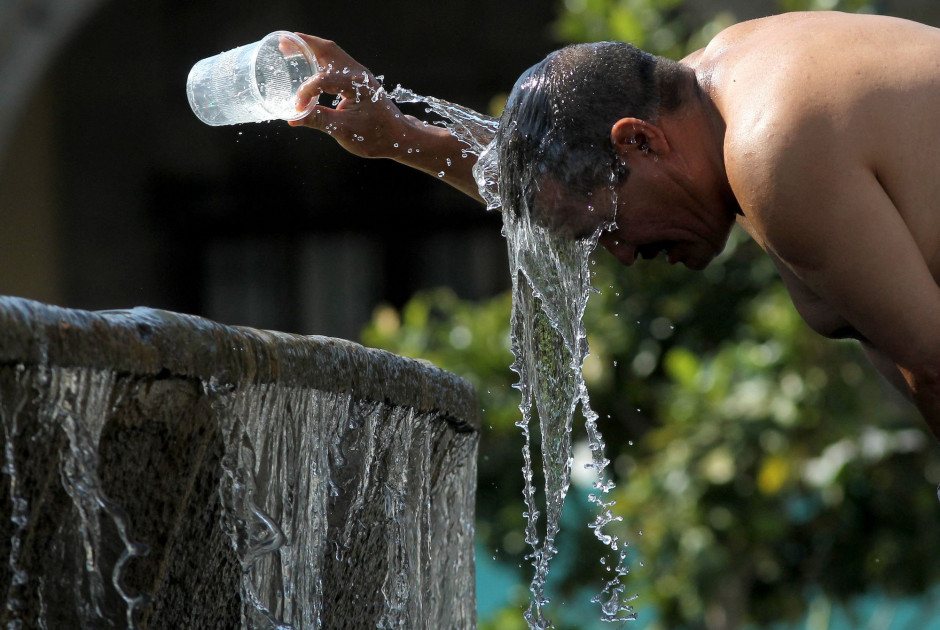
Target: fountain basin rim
152 342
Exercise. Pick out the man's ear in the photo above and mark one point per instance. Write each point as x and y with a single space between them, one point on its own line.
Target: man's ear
632 135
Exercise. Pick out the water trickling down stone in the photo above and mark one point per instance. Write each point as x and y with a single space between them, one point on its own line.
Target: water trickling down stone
346 497
286 470
72 405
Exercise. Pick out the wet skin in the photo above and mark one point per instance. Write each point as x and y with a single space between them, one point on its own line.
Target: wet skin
670 204
367 123
830 149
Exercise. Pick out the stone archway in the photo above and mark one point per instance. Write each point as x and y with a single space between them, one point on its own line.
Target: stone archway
30 33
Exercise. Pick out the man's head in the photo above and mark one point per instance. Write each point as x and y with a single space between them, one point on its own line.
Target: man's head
557 123
588 118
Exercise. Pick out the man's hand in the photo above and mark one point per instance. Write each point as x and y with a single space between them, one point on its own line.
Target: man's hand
367 123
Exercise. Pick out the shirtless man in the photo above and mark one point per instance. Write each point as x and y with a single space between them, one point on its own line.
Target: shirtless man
816 132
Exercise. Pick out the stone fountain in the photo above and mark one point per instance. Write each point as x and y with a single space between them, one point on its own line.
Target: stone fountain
165 471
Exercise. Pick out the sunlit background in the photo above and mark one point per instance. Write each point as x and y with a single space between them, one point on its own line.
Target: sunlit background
766 477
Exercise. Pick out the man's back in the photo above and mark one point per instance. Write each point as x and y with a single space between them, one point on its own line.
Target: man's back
832 149
867 87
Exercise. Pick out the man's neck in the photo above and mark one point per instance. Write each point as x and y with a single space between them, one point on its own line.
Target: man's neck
700 128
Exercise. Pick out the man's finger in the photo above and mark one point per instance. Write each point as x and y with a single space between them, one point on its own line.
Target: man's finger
308 91
318 43
351 87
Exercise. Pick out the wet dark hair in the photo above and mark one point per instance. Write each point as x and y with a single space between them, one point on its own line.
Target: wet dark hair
560 112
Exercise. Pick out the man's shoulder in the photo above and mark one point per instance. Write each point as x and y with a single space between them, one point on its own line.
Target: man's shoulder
785 161
774 141
802 59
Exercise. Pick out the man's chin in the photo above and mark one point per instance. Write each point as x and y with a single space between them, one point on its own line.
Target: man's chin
696 265
693 258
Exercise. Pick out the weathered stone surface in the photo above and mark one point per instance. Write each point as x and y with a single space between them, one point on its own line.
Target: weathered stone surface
152 342
182 399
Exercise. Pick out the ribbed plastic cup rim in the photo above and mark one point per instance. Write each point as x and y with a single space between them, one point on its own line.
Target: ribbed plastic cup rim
311 59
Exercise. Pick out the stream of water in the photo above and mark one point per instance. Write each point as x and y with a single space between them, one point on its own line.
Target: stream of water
551 285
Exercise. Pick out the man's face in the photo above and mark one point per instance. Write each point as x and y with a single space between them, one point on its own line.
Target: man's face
572 215
650 217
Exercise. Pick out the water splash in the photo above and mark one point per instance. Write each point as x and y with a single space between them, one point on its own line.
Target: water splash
550 289
274 516
474 129
341 504
468 126
19 515
317 488
303 471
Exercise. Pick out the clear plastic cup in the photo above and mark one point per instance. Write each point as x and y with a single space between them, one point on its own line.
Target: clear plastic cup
252 83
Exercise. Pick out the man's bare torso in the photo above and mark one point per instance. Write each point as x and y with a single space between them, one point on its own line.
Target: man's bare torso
815 102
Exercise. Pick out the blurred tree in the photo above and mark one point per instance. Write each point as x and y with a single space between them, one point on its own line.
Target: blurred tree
765 466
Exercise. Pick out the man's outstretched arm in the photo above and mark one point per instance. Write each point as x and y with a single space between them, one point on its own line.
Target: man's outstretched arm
367 123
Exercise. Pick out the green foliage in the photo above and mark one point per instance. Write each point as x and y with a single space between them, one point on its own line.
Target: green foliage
671 28
765 466
471 339
851 6
778 465
662 27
